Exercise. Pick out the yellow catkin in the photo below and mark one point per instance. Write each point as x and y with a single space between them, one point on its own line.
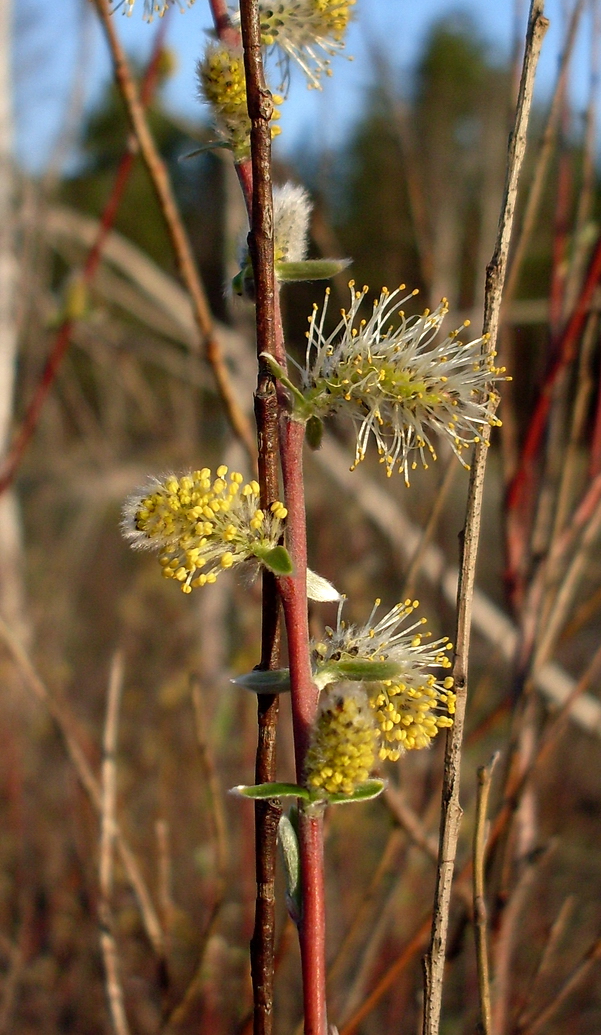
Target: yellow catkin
343 746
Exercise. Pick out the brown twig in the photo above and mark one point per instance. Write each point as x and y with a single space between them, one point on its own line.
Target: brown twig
108 805
268 330
480 918
495 278
158 173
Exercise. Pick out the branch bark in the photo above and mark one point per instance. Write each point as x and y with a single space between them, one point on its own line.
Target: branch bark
495 279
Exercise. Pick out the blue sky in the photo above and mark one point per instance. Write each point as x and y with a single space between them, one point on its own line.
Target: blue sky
49 36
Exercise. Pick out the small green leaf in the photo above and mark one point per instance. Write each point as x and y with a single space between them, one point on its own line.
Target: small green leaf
260 682
213 145
278 560
363 671
364 792
310 269
262 791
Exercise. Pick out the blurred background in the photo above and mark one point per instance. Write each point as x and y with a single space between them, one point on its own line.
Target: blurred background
404 156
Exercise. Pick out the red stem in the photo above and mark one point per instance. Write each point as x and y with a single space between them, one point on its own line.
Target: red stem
63 335
305 697
520 489
312 927
293 588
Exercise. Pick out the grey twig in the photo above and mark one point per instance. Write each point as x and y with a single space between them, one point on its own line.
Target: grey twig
495 279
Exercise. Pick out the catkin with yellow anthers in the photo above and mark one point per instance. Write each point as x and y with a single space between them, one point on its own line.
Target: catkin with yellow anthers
409 714
343 745
202 526
222 85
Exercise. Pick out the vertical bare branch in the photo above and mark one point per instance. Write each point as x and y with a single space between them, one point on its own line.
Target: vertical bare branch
495 279
269 331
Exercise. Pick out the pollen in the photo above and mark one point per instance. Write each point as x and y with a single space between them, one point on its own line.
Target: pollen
222 85
343 746
165 516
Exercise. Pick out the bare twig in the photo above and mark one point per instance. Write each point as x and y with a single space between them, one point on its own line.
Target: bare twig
495 278
269 332
510 920
108 805
480 919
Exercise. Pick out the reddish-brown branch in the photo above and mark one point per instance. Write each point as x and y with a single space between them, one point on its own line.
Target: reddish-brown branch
255 181
63 335
595 458
305 696
293 588
520 494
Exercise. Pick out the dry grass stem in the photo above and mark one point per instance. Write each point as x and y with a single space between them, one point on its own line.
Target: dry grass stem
578 975
480 912
548 959
66 725
108 807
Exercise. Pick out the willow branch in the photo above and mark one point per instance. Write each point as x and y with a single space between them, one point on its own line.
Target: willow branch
268 330
495 279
